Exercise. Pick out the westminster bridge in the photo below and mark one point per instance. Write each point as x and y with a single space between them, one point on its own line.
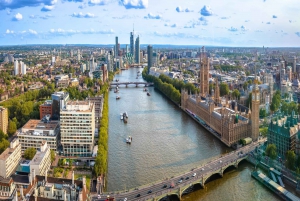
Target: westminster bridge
131 83
184 183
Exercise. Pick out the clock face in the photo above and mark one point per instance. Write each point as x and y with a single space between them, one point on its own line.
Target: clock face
257 97
253 96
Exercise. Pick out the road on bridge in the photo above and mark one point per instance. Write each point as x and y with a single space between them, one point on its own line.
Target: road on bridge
148 192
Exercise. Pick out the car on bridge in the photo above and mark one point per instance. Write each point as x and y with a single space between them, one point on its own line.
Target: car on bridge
165 186
150 191
194 174
138 195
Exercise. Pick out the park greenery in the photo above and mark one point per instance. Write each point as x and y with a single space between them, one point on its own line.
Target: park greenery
271 151
52 155
228 68
263 131
24 107
4 143
29 153
224 89
169 87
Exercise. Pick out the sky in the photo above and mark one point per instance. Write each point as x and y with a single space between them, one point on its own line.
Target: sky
236 23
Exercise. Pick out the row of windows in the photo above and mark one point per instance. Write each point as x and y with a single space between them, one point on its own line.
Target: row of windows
75 115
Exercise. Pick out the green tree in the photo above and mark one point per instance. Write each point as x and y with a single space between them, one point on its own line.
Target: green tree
2 135
4 144
264 131
29 153
236 94
12 127
52 154
224 89
271 151
245 86
262 113
290 159
276 99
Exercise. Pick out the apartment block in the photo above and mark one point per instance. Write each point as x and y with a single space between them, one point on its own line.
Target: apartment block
10 158
98 102
46 109
77 121
35 131
41 162
59 100
8 191
3 119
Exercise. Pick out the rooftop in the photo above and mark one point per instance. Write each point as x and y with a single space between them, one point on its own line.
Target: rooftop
38 157
7 153
36 124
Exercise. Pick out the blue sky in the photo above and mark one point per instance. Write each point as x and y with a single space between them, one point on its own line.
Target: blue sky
269 23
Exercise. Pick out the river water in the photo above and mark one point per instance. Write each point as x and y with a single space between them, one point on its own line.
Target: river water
166 142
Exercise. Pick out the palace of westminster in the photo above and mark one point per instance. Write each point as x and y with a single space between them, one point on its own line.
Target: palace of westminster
232 122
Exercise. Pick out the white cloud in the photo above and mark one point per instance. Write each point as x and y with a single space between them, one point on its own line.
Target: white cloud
14 4
32 16
274 16
173 25
47 8
206 11
62 32
225 18
268 23
32 32
17 17
232 29
243 28
9 31
179 9
81 15
298 34
82 6
203 19
137 4
97 2
152 16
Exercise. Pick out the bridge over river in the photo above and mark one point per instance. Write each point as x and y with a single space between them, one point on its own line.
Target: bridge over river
131 83
185 182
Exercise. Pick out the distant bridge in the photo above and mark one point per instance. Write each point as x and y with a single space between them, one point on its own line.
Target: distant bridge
185 182
146 84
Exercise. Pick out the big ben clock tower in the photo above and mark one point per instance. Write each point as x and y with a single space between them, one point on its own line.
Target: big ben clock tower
255 111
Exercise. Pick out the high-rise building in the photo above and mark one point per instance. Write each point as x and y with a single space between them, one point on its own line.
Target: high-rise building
46 109
204 74
77 128
255 111
150 56
23 68
127 50
137 50
59 100
16 67
116 47
3 119
132 43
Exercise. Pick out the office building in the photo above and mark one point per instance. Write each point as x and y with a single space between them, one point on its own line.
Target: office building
77 120
132 43
10 158
83 68
46 109
283 133
35 132
16 67
150 57
137 50
3 119
59 100
41 161
116 47
98 104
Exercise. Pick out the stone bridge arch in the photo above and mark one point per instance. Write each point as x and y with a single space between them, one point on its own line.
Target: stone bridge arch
219 173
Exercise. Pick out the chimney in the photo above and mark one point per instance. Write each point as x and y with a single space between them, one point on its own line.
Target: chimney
46 177
33 175
65 195
35 193
21 192
84 183
30 178
73 178
80 196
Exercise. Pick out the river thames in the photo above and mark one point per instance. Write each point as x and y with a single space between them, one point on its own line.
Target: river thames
167 142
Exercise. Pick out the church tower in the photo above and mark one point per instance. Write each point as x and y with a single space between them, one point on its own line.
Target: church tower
255 111
217 92
204 73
